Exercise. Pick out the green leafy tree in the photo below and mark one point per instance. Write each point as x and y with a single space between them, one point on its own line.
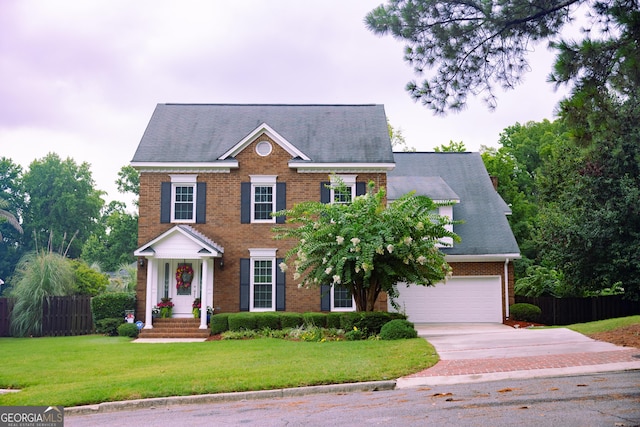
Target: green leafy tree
455 147
397 139
12 202
61 200
129 181
88 281
114 240
366 246
476 46
38 275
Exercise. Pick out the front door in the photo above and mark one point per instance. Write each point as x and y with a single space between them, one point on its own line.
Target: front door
181 280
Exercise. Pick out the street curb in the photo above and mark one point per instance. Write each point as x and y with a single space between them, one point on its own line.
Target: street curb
228 397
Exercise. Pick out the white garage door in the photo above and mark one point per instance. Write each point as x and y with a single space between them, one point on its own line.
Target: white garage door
461 299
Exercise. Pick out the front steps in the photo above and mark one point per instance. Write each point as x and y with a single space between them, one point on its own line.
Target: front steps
175 328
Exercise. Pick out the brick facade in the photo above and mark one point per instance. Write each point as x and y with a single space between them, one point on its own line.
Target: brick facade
224 227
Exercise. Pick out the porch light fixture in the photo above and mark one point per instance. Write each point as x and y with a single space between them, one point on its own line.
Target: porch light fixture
141 262
221 263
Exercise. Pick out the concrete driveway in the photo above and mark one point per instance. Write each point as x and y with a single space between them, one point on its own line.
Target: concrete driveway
487 351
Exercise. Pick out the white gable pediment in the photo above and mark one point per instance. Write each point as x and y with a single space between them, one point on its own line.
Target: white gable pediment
180 242
275 136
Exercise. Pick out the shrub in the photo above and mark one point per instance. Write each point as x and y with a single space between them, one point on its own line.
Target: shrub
315 319
355 334
398 329
128 330
349 320
240 321
267 321
111 305
291 320
333 320
372 322
219 323
109 326
525 312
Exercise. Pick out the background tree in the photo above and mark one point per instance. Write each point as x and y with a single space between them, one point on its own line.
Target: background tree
397 139
475 46
61 200
129 182
114 239
12 202
452 147
366 246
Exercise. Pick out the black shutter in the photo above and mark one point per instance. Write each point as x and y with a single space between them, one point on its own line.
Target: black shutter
280 286
201 202
361 188
165 202
245 285
281 200
325 192
325 298
245 203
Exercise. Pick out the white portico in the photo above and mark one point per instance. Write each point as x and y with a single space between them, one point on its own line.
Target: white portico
180 266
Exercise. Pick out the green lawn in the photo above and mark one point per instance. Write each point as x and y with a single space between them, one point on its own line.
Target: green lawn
72 371
604 325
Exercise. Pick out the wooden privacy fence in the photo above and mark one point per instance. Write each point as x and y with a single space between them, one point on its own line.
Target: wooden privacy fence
566 311
60 316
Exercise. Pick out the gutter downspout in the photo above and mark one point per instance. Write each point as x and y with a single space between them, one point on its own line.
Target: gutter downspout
506 287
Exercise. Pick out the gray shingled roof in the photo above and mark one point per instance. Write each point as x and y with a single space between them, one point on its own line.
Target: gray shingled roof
485 230
325 133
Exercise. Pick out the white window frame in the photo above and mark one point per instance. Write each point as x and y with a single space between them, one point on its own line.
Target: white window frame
263 181
446 211
334 308
348 180
262 254
183 181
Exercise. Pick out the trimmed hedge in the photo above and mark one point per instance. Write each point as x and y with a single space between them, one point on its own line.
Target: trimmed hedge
242 321
112 305
291 320
267 320
219 323
365 324
315 319
524 312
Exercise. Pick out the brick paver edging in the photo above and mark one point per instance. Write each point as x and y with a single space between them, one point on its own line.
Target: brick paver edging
485 366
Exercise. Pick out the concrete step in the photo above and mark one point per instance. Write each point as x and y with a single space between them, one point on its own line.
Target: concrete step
175 328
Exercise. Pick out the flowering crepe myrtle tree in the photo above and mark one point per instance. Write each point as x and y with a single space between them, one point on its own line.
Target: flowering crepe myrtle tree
367 246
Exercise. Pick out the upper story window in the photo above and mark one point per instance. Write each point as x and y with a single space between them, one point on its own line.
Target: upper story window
183 200
343 194
183 196
263 197
260 198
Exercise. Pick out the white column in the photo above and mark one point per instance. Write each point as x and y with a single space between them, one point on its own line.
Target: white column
506 287
149 304
203 293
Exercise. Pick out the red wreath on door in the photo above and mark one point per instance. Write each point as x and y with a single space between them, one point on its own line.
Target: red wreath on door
184 276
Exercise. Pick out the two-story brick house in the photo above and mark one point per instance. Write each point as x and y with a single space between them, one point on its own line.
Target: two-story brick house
210 176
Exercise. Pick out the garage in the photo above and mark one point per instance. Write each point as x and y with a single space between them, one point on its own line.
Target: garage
460 299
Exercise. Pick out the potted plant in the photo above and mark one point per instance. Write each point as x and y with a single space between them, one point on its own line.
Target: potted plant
166 307
196 308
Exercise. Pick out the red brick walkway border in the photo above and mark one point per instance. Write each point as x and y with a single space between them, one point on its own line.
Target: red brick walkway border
486 366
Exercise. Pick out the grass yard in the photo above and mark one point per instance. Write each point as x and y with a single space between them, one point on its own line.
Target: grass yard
71 371
604 325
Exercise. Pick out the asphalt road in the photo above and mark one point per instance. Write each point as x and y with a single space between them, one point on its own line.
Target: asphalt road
607 399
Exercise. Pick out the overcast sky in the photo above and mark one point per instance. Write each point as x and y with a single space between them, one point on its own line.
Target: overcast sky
82 78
